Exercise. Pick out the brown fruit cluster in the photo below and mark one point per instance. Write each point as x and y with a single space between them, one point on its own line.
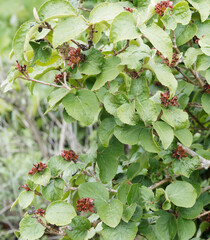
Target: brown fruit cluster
128 9
85 204
179 153
20 68
161 7
174 61
206 88
26 187
41 212
69 155
166 101
38 167
59 78
75 57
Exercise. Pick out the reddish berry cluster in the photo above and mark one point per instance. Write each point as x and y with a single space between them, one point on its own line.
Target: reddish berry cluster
161 7
179 153
20 68
128 9
174 61
26 187
206 88
166 101
59 78
85 204
41 212
69 155
74 57
38 167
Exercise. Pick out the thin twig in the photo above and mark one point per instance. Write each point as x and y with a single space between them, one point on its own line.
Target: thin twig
185 77
155 185
205 189
174 42
121 50
196 119
84 9
203 214
195 74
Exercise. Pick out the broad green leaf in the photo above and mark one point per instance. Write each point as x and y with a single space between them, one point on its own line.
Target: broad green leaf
159 39
94 190
203 7
20 39
139 89
42 178
124 27
56 96
93 62
191 55
181 194
106 130
184 136
60 213
83 106
166 226
75 26
203 63
128 134
168 19
203 28
107 160
105 12
165 133
55 9
128 212
147 111
186 166
187 34
109 72
182 13
164 75
186 228
147 197
111 213
133 170
30 228
123 191
175 117
205 45
205 100
134 194
126 113
193 212
207 76
57 165
26 198
124 231
54 190
14 204
80 226
149 230
147 141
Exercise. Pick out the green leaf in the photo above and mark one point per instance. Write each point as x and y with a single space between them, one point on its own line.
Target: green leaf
107 160
14 204
203 28
94 190
159 39
109 72
184 136
182 194
128 134
55 9
54 190
80 226
187 34
42 178
124 27
166 226
191 56
124 231
204 44
93 62
126 114
20 40
182 13
168 19
123 191
147 141
186 166
105 12
75 26
111 213
57 165
149 230
205 100
26 198
83 106
147 111
128 212
165 132
30 228
186 228
134 194
133 170
56 96
139 89
60 213
203 7
175 117
193 212
163 74
203 63
147 197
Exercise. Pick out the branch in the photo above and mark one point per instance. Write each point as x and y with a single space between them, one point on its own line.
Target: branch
185 77
204 162
205 189
155 185
76 188
203 214
174 42
195 74
121 50
196 119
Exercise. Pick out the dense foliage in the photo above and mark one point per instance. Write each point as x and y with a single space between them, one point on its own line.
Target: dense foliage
139 73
